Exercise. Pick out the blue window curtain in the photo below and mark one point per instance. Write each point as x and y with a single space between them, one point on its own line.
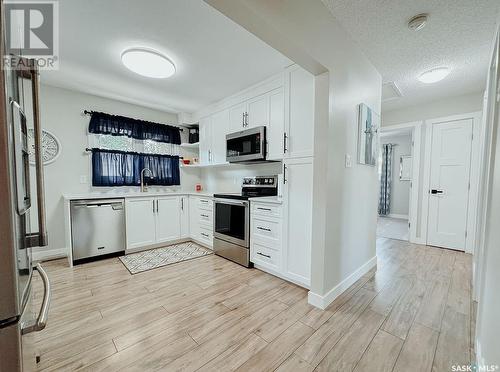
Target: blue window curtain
123 168
384 203
101 123
117 168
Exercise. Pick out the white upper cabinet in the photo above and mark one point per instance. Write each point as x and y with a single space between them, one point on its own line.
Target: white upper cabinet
220 127
237 116
257 113
284 105
205 139
299 113
168 223
276 127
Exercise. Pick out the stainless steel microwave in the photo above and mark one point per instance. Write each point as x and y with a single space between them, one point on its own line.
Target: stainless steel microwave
246 146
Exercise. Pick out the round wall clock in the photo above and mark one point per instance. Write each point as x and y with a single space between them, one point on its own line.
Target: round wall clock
51 147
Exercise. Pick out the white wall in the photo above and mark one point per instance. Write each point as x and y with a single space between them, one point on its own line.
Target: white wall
61 114
229 179
488 319
345 200
400 191
460 104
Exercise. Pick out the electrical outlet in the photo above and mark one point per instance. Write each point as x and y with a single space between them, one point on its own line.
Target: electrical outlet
84 180
348 161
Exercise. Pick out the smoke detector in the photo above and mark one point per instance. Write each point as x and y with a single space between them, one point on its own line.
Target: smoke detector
418 22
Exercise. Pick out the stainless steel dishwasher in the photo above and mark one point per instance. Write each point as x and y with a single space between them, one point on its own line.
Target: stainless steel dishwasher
97 227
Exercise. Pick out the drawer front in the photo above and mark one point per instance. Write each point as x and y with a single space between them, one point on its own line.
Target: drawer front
205 218
264 256
206 236
270 210
266 231
205 204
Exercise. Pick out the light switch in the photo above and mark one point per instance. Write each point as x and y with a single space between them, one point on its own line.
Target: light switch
84 180
348 161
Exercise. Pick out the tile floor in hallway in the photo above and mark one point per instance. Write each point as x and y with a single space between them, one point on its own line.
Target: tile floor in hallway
411 314
392 228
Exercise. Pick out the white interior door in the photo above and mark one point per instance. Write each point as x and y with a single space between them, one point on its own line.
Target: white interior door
449 184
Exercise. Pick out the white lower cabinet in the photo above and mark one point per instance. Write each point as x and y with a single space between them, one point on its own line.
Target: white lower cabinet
140 222
152 221
184 200
297 216
281 235
168 222
201 222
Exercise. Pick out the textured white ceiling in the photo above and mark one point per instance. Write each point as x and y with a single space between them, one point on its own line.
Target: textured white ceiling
459 35
214 57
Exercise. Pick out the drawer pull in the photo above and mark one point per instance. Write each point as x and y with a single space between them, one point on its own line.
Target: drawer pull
204 215
205 235
265 255
263 228
203 201
264 209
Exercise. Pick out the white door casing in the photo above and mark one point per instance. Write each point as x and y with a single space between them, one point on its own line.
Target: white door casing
451 146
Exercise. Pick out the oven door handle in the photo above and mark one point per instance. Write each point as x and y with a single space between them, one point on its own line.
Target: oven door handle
232 202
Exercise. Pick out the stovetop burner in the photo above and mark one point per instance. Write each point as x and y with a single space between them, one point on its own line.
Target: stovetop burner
254 187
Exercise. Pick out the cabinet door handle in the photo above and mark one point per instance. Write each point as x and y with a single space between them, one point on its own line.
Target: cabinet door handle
285 138
246 119
264 209
182 204
264 255
263 228
284 174
157 206
243 119
153 206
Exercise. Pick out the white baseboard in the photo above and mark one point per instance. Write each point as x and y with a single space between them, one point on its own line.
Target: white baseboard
399 216
40 254
323 301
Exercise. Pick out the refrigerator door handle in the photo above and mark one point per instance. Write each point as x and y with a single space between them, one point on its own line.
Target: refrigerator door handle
39 239
41 321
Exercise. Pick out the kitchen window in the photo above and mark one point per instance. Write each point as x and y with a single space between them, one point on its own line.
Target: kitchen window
123 147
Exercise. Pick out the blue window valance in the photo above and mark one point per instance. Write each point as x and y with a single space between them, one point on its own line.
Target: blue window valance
118 168
101 123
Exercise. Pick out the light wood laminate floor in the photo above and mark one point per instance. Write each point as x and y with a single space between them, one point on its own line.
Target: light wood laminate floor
412 314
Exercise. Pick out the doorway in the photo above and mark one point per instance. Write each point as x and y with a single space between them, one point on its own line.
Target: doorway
395 173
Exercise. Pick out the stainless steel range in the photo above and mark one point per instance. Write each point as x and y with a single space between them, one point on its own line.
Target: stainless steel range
232 218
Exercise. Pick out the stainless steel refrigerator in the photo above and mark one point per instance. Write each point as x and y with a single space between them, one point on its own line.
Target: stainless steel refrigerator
20 198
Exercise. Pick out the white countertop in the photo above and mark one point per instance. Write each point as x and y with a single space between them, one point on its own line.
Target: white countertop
267 199
112 195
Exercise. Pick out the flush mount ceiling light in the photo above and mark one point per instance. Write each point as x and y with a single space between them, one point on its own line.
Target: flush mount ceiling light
418 22
147 62
434 75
